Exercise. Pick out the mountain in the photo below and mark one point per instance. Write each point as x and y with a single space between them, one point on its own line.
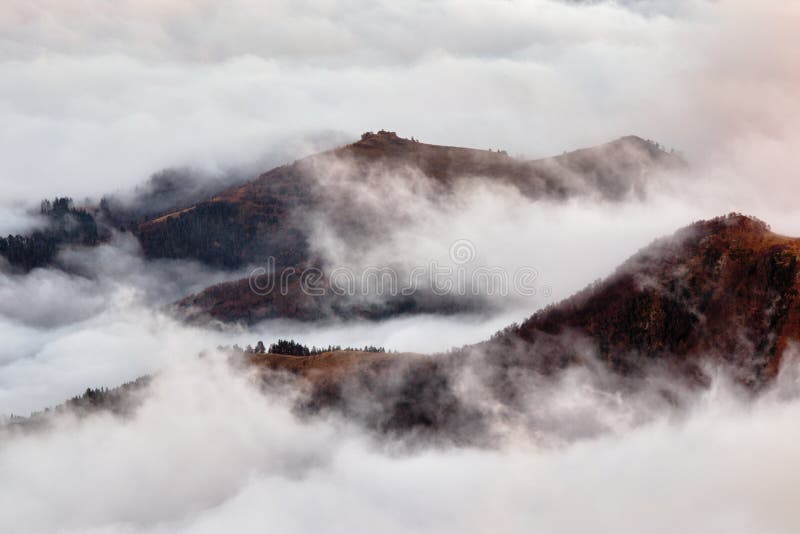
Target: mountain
277 214
721 293
268 216
718 293
723 290
274 215
237 301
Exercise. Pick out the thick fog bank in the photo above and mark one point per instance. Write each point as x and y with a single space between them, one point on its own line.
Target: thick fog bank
208 451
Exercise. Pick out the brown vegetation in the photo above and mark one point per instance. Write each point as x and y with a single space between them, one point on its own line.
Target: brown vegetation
268 216
723 290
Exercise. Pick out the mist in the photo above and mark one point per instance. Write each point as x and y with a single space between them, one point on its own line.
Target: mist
106 318
263 468
97 101
97 98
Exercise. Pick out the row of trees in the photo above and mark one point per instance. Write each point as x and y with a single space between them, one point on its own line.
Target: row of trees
291 347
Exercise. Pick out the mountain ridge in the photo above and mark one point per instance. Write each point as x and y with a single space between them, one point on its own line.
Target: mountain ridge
276 200
268 216
722 293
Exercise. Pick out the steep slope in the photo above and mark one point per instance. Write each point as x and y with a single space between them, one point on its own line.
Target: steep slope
724 290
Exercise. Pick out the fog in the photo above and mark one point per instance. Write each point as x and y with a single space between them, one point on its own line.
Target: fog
96 97
412 226
99 96
207 451
105 321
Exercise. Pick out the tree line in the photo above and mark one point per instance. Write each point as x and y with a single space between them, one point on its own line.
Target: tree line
291 347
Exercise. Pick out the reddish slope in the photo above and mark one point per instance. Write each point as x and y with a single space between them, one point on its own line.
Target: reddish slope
235 301
268 216
273 215
724 289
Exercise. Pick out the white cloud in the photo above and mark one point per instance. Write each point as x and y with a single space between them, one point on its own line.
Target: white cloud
208 452
99 95
95 96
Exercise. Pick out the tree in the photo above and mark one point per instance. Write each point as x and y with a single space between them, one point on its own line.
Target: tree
260 347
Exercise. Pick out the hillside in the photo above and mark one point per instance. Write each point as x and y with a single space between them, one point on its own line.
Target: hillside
235 301
721 293
724 290
274 215
268 216
328 365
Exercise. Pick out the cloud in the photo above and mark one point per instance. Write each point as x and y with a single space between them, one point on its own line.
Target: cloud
207 450
105 322
101 322
98 96
401 219
343 32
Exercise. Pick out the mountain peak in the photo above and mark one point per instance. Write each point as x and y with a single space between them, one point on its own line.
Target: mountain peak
723 290
382 135
381 138
734 222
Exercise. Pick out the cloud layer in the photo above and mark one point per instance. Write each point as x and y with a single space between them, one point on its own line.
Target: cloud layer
207 451
96 96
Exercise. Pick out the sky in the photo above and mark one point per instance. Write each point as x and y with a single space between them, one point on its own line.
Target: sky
95 96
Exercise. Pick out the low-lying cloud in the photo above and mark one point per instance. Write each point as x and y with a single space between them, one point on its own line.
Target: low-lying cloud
96 97
208 451
101 96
